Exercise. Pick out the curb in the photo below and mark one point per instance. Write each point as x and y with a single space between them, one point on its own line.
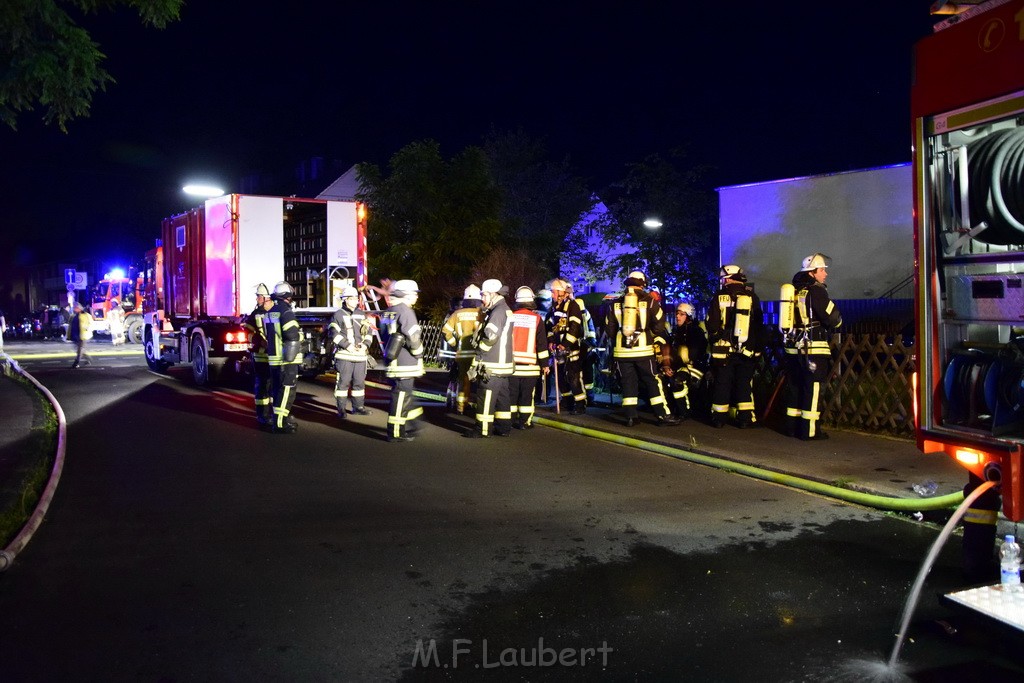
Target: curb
8 554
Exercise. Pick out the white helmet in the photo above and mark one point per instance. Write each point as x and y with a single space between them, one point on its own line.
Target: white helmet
262 290
283 290
491 286
349 291
637 275
814 261
687 309
472 293
524 295
732 272
403 288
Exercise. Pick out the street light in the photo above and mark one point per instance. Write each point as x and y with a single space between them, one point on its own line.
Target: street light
207 191
652 223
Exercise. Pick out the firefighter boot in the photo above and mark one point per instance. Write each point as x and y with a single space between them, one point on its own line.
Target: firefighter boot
341 408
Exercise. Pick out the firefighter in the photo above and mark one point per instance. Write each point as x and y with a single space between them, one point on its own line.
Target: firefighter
736 333
283 338
565 340
493 365
352 334
635 323
816 318
403 353
588 348
256 325
530 354
684 358
459 331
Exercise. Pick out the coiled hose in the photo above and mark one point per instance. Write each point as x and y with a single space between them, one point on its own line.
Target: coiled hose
996 172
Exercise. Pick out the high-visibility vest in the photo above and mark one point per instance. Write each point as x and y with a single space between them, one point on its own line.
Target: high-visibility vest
524 337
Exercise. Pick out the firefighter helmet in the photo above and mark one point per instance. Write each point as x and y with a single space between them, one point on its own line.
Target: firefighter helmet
349 291
636 279
262 290
524 295
472 293
687 309
732 272
814 261
403 288
283 290
491 286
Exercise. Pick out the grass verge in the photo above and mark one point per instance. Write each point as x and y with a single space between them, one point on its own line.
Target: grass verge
24 484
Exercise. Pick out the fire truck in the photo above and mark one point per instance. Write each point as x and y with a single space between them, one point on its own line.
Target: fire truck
967 104
200 281
127 292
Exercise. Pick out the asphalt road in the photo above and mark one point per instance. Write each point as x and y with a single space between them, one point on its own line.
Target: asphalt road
184 544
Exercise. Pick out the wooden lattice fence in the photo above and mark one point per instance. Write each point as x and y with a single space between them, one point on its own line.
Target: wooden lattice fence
869 388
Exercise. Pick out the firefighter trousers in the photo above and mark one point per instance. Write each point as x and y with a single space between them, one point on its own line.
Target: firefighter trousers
263 391
284 378
734 387
493 412
404 409
522 389
351 382
634 372
570 383
814 369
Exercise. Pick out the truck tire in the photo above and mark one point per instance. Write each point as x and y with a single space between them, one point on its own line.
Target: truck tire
152 352
205 370
133 331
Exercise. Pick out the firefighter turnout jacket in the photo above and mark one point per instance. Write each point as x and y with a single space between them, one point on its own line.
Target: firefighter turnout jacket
459 331
635 323
494 352
282 334
565 327
351 333
735 323
816 315
408 361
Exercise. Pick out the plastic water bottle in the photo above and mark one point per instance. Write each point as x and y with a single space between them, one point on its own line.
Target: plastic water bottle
1009 562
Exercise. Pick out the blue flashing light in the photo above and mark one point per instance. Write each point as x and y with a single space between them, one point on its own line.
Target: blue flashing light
115 274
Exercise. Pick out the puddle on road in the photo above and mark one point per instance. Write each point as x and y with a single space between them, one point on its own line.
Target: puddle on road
782 611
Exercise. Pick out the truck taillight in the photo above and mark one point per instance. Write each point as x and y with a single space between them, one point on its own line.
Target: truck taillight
236 337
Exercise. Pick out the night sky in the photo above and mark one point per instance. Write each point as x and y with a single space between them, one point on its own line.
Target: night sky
757 91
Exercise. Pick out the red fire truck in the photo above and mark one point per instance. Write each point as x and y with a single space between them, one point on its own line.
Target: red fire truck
967 105
200 281
127 292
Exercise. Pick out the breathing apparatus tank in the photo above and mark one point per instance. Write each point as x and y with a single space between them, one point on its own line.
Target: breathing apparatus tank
630 309
787 321
741 326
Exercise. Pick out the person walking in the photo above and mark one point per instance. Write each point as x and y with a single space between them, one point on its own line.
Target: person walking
403 353
256 325
816 318
530 355
493 365
80 331
283 339
635 323
736 333
351 333
3 329
683 359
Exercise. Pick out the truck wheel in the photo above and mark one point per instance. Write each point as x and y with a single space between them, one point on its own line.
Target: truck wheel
205 370
152 352
133 332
